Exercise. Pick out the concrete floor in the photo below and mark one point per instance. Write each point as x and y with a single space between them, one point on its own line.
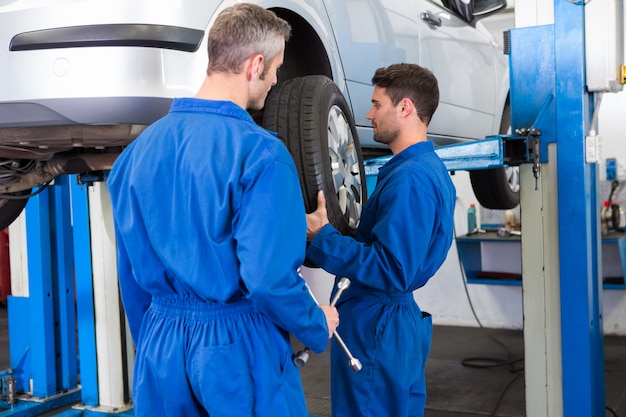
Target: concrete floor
493 387
454 389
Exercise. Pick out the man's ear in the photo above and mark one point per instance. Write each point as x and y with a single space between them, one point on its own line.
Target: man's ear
256 65
406 106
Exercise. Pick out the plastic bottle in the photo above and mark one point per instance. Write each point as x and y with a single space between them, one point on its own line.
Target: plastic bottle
471 219
509 218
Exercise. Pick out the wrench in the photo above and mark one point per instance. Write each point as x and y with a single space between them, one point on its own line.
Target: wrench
301 358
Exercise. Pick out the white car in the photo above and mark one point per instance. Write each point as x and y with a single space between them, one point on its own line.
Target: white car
80 79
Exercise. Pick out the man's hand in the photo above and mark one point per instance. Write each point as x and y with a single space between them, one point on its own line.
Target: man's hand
316 220
332 318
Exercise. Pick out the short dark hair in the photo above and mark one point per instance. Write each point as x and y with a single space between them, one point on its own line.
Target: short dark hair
416 83
241 31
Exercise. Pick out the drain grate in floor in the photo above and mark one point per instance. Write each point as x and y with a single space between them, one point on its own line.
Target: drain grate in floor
318 407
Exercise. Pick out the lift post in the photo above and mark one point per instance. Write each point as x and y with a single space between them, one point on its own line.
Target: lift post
70 304
563 332
42 321
561 244
579 231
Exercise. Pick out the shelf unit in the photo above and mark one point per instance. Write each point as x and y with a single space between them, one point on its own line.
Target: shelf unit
490 259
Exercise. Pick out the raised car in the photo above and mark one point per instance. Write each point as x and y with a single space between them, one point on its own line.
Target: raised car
79 80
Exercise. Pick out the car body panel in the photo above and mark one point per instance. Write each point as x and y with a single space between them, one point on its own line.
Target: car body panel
468 62
372 34
369 34
111 72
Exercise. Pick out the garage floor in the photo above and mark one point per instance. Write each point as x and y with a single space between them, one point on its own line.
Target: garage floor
491 387
455 390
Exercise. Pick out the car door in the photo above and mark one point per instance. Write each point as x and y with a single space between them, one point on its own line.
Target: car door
468 64
371 34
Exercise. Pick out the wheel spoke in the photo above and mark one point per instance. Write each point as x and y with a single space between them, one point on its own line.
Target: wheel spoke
344 165
336 169
512 176
353 210
342 196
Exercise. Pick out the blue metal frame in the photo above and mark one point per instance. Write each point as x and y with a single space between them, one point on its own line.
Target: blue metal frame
84 294
62 256
41 341
492 152
579 234
60 302
548 89
42 326
469 249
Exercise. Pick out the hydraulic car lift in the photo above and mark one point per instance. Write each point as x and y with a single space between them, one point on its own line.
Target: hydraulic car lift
68 342
562 322
562 286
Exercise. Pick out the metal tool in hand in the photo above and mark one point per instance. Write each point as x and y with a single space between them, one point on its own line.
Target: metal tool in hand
301 358
355 364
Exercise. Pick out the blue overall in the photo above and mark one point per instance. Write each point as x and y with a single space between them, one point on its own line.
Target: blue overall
210 230
405 233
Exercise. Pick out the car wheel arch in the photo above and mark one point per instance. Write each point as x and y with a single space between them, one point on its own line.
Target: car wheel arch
305 52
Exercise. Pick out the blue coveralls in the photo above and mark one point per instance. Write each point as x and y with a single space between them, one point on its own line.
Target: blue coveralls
210 229
405 233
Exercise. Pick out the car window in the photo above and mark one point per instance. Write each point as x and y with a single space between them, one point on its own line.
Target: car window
469 10
442 3
461 8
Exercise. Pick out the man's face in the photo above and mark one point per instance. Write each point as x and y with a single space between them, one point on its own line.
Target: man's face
267 79
384 117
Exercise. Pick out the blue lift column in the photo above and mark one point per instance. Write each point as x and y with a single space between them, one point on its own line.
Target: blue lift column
579 234
565 374
561 244
551 113
71 296
42 322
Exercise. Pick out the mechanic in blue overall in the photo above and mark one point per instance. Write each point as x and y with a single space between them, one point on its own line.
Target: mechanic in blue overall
211 231
404 235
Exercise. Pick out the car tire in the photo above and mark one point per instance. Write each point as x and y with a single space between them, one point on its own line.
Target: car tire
314 121
11 208
497 188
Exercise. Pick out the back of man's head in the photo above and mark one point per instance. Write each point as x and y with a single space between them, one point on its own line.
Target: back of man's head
241 31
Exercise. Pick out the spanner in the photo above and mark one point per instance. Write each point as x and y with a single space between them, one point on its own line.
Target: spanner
301 358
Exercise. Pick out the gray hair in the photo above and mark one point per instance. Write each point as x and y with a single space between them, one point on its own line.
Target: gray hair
241 31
